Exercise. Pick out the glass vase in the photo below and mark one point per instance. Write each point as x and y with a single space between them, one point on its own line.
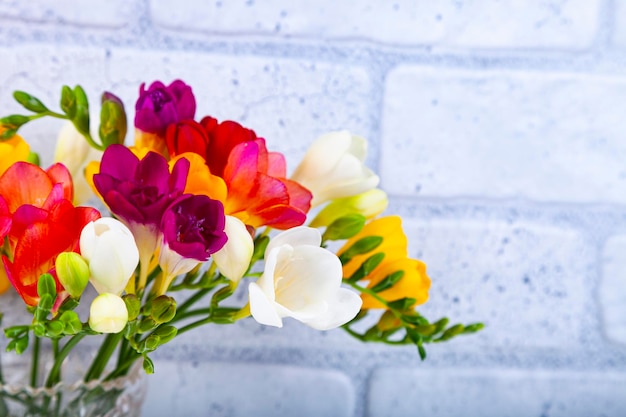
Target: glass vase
119 397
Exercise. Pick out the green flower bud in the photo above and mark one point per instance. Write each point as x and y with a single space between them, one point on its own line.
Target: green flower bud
133 305
344 227
163 309
113 124
73 273
165 334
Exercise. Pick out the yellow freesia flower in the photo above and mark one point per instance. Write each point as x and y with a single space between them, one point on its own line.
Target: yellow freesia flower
414 283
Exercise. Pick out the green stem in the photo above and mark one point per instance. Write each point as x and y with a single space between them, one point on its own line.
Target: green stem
193 325
191 301
102 358
122 368
34 367
53 376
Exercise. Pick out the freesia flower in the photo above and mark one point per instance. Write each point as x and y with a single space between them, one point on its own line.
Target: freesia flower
73 151
414 282
259 194
193 229
138 192
303 281
44 223
159 106
234 258
109 248
108 314
333 167
12 150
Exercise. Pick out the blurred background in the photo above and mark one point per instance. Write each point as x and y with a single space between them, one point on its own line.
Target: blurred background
498 129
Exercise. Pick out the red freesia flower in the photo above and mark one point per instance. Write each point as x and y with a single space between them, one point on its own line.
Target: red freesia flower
44 223
258 192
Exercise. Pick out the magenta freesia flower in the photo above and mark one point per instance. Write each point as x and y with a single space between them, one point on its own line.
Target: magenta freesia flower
159 106
138 192
193 229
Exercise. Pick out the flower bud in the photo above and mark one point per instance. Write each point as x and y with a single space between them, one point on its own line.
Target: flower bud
233 260
113 123
73 273
110 249
108 314
163 309
369 204
133 305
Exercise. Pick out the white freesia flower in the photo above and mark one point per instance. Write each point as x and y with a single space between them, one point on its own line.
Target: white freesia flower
303 281
108 313
109 248
73 151
333 167
233 259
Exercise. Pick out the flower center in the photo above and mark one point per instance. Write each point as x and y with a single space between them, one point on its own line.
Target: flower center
158 99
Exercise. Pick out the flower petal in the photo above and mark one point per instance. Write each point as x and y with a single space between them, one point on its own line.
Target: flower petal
261 308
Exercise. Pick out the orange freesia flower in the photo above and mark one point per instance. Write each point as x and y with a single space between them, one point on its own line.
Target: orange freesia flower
414 283
44 223
12 150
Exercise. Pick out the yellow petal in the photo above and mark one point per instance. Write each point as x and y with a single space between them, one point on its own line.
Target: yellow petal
394 244
11 151
414 284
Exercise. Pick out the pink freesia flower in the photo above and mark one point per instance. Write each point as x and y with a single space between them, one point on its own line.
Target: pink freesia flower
193 229
159 106
138 192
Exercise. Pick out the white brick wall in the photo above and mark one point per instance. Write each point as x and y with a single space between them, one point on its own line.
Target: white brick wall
498 128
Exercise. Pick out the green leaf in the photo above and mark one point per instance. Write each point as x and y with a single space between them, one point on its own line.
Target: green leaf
344 227
68 102
388 282
402 304
361 246
29 102
367 267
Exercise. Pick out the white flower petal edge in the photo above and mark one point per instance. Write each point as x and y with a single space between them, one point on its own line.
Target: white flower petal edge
303 281
233 259
333 167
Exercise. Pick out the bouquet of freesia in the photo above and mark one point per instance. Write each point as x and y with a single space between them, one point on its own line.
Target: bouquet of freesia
191 209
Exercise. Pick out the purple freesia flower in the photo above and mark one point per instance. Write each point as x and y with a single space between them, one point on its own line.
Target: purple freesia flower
138 192
159 106
193 229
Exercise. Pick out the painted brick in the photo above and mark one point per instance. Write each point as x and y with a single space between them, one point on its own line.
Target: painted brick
517 24
288 102
612 291
499 392
42 70
619 24
229 389
501 134
96 13
526 282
